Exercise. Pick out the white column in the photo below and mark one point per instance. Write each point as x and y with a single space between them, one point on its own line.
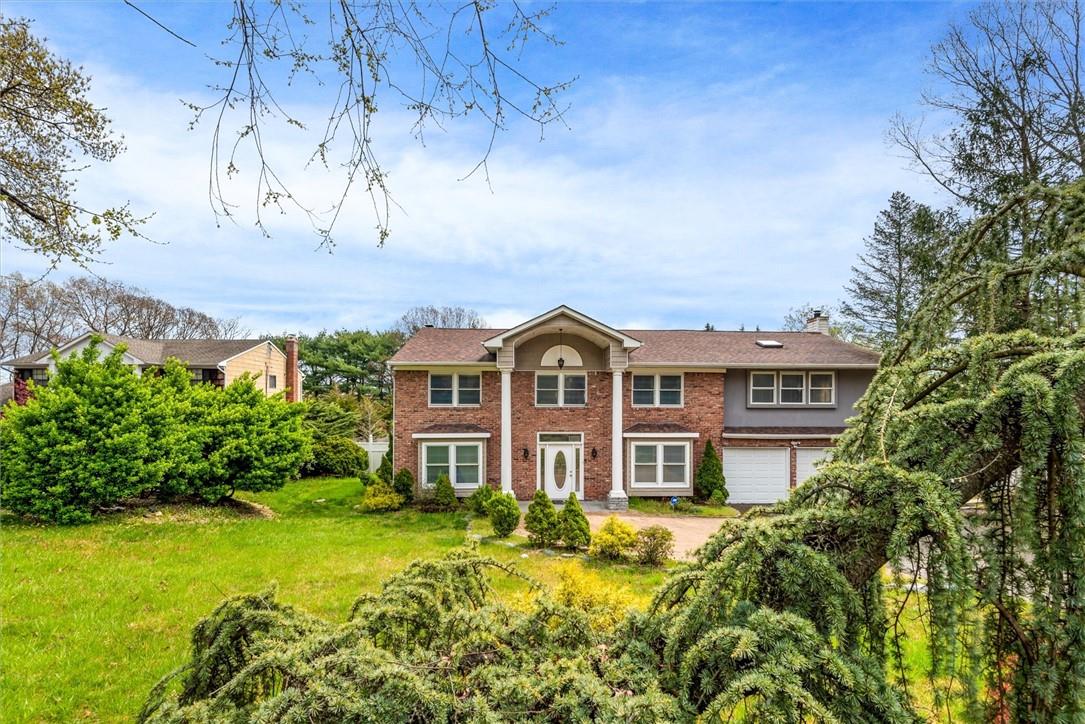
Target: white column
506 430
617 499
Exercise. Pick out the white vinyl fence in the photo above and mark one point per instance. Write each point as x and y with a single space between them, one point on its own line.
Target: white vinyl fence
376 450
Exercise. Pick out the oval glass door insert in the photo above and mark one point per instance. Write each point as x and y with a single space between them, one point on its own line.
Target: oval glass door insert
559 468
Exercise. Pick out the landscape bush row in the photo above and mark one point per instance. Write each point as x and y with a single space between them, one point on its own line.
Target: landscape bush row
99 434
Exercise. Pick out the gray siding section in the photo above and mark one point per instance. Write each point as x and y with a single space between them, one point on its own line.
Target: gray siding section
850 386
529 354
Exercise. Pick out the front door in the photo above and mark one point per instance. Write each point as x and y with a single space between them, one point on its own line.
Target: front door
561 469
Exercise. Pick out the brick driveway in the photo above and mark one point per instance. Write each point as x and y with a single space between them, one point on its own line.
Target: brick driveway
690 532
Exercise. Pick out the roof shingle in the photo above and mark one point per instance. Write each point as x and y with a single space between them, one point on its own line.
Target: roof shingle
193 352
661 347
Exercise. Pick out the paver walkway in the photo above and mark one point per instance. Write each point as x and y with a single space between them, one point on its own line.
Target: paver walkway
690 532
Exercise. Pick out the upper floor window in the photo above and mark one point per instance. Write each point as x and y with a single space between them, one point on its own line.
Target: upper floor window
790 387
762 388
657 390
822 388
455 389
564 389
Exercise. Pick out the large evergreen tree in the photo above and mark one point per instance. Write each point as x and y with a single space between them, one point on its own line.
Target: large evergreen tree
900 261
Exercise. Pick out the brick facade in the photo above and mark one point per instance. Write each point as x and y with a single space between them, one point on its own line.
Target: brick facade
702 412
412 412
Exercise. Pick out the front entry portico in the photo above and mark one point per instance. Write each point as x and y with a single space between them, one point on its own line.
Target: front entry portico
561 464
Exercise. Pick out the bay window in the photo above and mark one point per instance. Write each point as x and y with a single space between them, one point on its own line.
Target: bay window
563 389
660 464
461 462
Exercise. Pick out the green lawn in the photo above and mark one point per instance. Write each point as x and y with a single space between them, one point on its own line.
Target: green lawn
94 615
662 506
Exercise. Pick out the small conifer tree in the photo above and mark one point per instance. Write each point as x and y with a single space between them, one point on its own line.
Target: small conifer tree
541 521
444 497
709 481
504 514
573 524
403 484
384 472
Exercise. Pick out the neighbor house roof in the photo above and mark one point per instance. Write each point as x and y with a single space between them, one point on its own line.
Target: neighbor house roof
659 348
193 352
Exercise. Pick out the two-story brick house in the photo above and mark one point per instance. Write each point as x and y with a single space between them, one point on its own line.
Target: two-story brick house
565 403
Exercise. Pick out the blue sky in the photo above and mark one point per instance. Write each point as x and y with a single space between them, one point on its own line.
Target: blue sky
722 163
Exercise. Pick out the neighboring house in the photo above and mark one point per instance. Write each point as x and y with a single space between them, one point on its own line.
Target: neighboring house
218 361
533 407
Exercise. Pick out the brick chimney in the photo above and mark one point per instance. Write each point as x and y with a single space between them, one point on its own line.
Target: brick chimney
818 323
293 379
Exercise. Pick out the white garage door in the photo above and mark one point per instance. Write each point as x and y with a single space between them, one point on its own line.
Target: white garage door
756 475
805 457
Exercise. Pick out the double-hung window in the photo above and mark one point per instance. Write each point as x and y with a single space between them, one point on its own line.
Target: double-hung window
562 389
461 462
455 389
792 388
822 388
762 388
657 390
661 464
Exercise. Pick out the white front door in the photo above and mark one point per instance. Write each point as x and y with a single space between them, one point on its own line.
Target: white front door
561 470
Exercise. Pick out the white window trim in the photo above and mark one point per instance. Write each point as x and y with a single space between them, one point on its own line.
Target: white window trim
561 388
659 484
780 387
777 397
657 390
750 388
832 389
539 445
455 389
451 443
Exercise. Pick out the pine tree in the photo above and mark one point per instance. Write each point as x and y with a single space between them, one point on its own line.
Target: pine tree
541 521
384 471
573 524
900 262
709 478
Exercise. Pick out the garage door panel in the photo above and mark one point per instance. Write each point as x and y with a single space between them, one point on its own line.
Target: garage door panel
805 459
756 475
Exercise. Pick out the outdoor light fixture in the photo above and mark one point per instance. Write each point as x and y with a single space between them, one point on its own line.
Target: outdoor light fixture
594 453
527 453
561 349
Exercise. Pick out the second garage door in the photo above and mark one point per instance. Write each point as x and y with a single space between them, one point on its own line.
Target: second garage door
805 457
756 475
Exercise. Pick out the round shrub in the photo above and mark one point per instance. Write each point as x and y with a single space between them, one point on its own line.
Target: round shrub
655 544
403 484
573 524
479 499
340 457
380 497
614 539
541 521
504 514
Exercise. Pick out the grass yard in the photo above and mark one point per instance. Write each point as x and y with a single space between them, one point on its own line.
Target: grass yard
94 615
662 506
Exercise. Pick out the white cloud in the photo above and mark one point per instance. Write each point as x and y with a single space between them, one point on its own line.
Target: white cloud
661 207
